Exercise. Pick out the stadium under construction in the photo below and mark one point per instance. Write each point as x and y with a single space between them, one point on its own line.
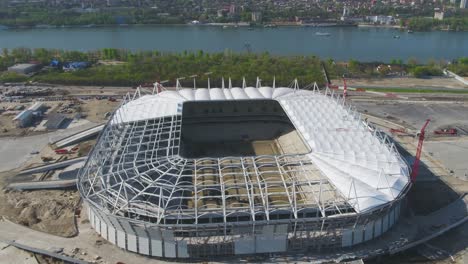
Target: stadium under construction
192 173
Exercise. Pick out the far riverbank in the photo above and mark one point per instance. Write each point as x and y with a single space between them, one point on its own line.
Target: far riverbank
340 43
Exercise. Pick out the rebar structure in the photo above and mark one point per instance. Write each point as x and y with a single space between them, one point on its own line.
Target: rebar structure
303 172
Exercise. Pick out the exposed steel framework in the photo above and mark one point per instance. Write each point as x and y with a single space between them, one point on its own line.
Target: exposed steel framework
136 181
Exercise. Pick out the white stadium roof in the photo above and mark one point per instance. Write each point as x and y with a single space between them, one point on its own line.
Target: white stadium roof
359 162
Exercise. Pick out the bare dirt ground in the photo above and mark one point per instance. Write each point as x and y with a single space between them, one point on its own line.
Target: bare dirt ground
50 211
406 82
86 147
8 127
97 109
95 90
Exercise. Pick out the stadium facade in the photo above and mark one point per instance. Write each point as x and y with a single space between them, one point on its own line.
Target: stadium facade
191 173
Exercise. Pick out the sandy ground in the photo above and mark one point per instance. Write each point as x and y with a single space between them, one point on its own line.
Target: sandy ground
8 127
404 82
96 109
50 211
95 90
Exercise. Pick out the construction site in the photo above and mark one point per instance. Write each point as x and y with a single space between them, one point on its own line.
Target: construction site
248 190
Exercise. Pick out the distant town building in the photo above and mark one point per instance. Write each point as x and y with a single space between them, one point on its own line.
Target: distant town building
439 15
385 20
345 13
256 17
25 68
463 3
232 9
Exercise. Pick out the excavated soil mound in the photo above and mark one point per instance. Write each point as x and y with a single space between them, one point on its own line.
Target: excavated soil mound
50 211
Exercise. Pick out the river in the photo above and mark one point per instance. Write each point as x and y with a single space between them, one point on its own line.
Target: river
343 43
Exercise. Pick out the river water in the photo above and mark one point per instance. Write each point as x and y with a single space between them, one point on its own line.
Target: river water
365 44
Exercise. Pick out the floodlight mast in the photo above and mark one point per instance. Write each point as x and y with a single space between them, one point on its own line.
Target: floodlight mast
208 74
194 77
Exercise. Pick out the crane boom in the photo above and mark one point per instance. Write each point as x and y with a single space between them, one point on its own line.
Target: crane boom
415 171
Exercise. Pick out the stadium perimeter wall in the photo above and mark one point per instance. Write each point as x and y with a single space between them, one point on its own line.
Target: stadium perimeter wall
194 241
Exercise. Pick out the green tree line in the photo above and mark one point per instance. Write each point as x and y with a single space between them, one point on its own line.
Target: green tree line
426 24
149 66
127 68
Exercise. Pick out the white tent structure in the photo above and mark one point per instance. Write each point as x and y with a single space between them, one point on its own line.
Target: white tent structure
146 197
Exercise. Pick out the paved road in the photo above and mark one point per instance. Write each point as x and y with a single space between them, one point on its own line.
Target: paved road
12 255
85 242
15 151
452 154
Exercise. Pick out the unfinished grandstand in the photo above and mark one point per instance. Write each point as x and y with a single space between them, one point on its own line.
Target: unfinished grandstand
192 173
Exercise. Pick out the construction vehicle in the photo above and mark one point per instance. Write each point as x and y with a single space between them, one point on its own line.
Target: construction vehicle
398 131
62 151
447 131
415 171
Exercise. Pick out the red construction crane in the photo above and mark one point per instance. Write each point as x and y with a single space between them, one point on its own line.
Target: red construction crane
415 170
